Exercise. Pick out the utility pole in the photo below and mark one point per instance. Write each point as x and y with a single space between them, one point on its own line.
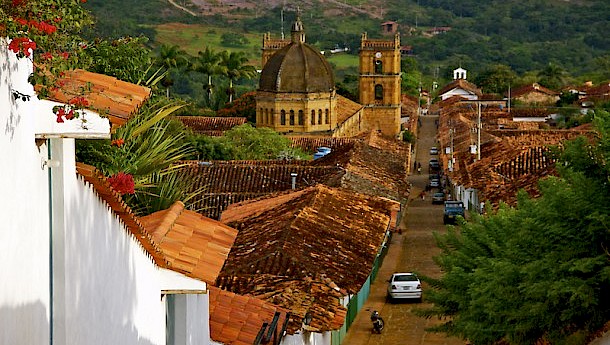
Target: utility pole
479 132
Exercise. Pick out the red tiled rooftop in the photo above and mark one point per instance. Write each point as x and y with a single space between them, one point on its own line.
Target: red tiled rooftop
107 95
461 84
193 244
301 234
212 126
236 319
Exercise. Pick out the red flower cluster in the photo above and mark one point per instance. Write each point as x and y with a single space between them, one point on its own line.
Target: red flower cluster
117 142
63 112
79 102
22 45
122 183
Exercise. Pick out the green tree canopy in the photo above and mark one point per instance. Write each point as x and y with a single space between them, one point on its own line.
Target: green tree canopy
537 271
496 79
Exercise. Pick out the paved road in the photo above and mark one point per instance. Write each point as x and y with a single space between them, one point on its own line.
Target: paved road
410 251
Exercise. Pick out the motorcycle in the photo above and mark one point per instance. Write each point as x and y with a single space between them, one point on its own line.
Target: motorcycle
377 322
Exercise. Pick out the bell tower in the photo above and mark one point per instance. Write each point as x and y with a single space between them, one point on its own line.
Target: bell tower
379 83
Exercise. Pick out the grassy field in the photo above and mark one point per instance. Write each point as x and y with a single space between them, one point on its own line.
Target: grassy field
195 38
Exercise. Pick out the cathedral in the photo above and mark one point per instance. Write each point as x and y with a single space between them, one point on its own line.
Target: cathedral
297 92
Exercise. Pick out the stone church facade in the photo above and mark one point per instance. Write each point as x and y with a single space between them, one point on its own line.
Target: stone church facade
297 93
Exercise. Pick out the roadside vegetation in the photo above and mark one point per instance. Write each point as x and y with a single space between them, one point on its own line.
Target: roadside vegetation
539 271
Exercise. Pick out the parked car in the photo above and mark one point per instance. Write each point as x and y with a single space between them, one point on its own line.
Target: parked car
434 150
404 286
453 209
438 198
434 183
434 165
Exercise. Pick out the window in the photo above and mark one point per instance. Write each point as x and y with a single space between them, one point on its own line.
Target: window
271 117
262 113
301 117
378 67
319 116
313 117
291 117
327 117
283 117
378 91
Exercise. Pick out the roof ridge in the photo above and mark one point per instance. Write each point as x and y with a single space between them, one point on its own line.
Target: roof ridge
170 218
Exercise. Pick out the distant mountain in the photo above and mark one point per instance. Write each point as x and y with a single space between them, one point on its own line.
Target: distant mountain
526 35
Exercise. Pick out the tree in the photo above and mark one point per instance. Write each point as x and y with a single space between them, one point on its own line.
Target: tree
553 76
171 57
537 271
235 67
496 79
208 63
245 143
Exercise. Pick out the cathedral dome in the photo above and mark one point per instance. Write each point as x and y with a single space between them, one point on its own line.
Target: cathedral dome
299 68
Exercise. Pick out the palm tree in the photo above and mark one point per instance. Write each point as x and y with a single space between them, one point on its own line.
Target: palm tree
235 67
553 76
207 62
171 57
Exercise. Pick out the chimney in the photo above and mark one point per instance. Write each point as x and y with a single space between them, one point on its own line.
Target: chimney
294 180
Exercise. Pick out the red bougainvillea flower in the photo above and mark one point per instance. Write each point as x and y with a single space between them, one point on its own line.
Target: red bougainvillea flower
64 55
122 183
22 45
117 142
47 56
79 102
19 2
21 21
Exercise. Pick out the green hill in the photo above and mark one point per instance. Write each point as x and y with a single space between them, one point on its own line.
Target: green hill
525 35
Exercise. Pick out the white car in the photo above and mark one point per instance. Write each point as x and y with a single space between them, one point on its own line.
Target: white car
433 150
404 286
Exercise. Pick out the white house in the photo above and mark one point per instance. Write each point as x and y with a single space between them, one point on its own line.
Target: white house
460 87
76 267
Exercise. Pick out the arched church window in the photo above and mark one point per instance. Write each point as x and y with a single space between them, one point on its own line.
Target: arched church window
283 117
313 117
291 117
301 118
271 117
378 67
327 117
319 116
378 91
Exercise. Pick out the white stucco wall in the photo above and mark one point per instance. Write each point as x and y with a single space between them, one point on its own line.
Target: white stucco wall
24 227
308 338
459 92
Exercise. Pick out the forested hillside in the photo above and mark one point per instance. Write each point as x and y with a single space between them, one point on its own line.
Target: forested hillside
525 35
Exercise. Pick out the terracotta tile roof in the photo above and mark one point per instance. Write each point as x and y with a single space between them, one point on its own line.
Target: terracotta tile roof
193 244
212 126
409 105
101 185
461 84
308 233
535 87
599 90
311 143
225 183
319 297
376 167
510 159
107 95
237 319
346 108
